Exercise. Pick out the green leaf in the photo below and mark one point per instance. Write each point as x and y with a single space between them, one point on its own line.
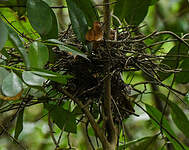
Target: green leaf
4 34
19 124
53 32
170 60
64 119
133 11
156 114
15 39
179 118
11 85
89 11
78 20
183 76
38 55
59 78
72 50
3 74
145 143
32 79
39 15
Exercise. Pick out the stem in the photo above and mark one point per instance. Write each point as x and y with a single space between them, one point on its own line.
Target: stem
108 120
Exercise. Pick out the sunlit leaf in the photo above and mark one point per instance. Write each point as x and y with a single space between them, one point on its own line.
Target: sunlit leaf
11 85
38 55
78 20
32 79
4 34
19 124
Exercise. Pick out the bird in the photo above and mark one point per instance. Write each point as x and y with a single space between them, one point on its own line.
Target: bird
95 33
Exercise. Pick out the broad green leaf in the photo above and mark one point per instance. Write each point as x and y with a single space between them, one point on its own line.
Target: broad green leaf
19 124
59 78
63 118
15 39
11 85
4 34
3 74
89 11
156 114
39 15
170 60
133 11
78 20
32 79
53 32
72 50
38 55
179 118
183 76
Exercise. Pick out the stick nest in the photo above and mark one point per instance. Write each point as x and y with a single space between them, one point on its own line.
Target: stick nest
127 53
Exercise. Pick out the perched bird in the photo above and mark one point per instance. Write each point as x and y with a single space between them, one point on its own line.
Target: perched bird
95 33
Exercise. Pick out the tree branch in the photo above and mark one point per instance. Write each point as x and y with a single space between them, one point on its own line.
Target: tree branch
108 120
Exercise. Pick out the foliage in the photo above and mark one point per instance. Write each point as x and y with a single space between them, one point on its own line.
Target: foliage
96 87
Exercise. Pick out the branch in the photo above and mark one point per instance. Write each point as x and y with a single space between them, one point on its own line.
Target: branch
92 121
111 130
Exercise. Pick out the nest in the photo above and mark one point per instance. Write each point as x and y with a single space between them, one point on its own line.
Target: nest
127 53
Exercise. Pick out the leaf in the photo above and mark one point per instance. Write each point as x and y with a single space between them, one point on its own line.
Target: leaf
20 10
72 50
145 143
4 34
15 39
170 60
179 118
19 124
89 11
78 20
183 76
11 85
32 79
3 74
39 15
59 78
38 55
133 11
64 119
53 32
156 114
